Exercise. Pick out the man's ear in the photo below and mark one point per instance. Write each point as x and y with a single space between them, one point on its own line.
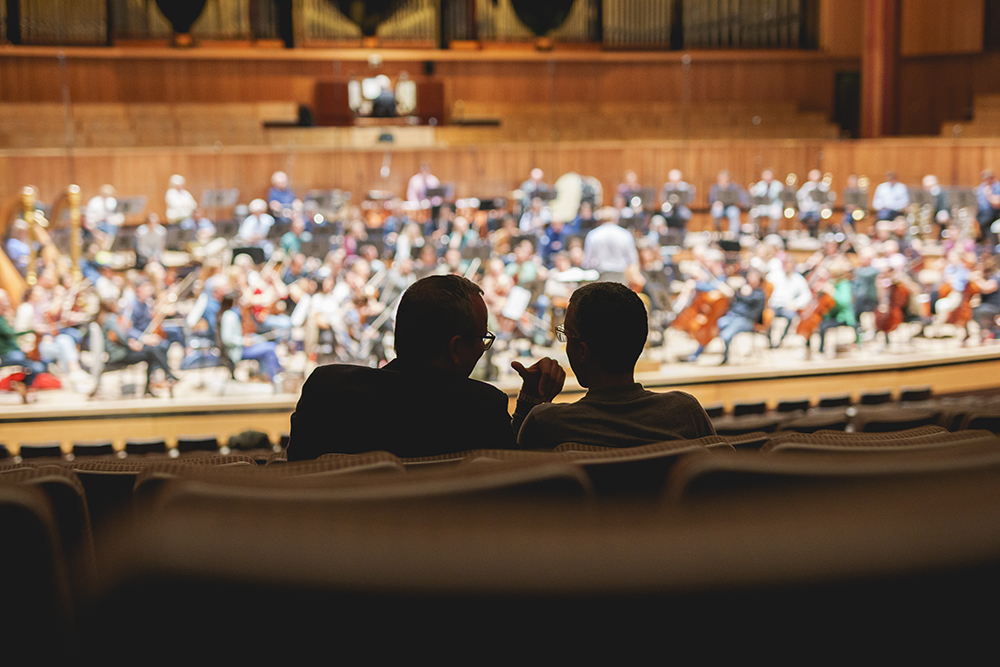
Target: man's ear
454 349
586 354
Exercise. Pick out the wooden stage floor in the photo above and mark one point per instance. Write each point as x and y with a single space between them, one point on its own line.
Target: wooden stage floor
204 404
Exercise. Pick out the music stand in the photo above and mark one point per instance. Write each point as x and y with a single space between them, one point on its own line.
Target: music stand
789 198
438 192
221 198
820 196
962 198
131 206
760 201
922 198
855 198
647 198
728 197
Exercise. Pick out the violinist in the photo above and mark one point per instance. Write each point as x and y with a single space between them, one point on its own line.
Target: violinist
40 313
834 280
122 348
143 309
746 308
790 294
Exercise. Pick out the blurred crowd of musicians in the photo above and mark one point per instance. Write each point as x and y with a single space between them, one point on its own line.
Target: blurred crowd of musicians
289 274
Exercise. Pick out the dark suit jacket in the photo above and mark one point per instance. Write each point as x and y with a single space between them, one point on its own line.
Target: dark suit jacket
408 409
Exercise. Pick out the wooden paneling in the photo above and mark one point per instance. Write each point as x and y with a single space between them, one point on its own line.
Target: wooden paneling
490 170
935 27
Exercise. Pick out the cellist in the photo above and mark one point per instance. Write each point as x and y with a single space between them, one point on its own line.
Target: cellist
746 308
834 280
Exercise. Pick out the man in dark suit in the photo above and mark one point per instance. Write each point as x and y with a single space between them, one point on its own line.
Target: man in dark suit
423 403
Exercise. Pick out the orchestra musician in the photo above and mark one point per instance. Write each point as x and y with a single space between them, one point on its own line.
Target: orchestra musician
834 281
420 183
281 198
181 204
11 353
238 346
676 195
988 206
891 198
254 228
770 189
986 276
532 187
746 308
812 197
727 200
150 241
122 348
790 293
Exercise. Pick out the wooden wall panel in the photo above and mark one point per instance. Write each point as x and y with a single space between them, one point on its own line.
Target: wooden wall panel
932 26
492 170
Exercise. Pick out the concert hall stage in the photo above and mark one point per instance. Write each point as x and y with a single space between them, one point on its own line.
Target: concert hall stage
754 373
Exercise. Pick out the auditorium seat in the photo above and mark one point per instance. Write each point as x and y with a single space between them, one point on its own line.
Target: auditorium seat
741 408
834 438
145 446
829 419
634 471
889 442
703 474
793 404
834 401
65 493
915 394
90 448
899 569
37 607
894 418
187 444
109 484
37 450
875 397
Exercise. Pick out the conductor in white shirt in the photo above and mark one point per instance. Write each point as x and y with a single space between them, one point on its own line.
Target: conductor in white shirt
610 249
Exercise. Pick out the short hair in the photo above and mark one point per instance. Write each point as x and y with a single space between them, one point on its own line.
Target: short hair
432 311
611 319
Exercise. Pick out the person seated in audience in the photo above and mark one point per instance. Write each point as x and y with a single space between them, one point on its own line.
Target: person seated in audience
435 408
605 332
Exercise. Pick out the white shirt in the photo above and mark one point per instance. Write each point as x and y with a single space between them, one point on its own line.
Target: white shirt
416 190
180 205
789 291
255 227
609 248
893 197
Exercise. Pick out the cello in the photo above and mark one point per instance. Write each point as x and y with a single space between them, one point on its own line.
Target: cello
699 318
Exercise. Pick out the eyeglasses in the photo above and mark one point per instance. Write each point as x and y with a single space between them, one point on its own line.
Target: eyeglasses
562 335
488 339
